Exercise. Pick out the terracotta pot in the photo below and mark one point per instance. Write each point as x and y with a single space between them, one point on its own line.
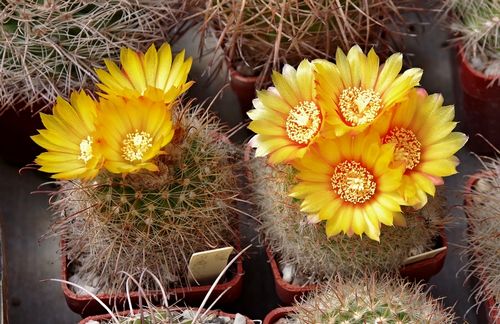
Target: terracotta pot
85 305
277 314
125 313
243 87
491 311
420 270
481 106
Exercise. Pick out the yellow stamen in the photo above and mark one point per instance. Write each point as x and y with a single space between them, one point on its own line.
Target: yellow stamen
358 106
135 145
408 147
86 149
303 122
353 182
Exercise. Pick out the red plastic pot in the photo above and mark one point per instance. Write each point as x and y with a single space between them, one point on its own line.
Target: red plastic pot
277 314
420 270
481 99
492 312
243 87
125 313
85 305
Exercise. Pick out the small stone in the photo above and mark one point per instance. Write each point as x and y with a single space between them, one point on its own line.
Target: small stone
225 319
283 321
493 69
477 63
188 314
288 272
239 319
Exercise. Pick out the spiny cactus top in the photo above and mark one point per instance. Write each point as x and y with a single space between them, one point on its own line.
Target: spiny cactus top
371 300
320 119
49 48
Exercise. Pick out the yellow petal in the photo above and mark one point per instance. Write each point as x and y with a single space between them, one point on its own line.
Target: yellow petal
390 71
118 75
369 72
344 68
398 90
356 60
132 65
164 64
151 65
305 79
273 101
440 168
286 92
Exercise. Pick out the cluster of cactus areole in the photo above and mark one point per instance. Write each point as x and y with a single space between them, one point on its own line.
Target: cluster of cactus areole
154 221
318 258
48 48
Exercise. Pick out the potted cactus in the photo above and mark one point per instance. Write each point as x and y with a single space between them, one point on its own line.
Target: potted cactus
366 300
172 316
257 38
142 180
346 156
483 214
50 47
148 312
476 25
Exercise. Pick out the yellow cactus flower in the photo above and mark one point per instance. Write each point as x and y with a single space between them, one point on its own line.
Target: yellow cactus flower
348 181
358 91
69 139
153 75
287 118
421 128
133 132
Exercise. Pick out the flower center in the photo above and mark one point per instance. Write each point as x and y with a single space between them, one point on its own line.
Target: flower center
135 145
407 146
359 107
86 150
353 182
303 122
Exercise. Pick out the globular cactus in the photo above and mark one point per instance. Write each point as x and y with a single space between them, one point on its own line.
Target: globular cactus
154 315
370 300
154 220
316 257
49 47
259 36
476 24
483 215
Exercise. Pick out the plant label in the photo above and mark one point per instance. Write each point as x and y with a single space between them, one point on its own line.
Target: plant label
205 266
423 256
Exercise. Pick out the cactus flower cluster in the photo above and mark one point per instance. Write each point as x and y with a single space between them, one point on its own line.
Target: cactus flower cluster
363 139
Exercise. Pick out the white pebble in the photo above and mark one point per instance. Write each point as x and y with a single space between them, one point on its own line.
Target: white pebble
288 272
239 319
